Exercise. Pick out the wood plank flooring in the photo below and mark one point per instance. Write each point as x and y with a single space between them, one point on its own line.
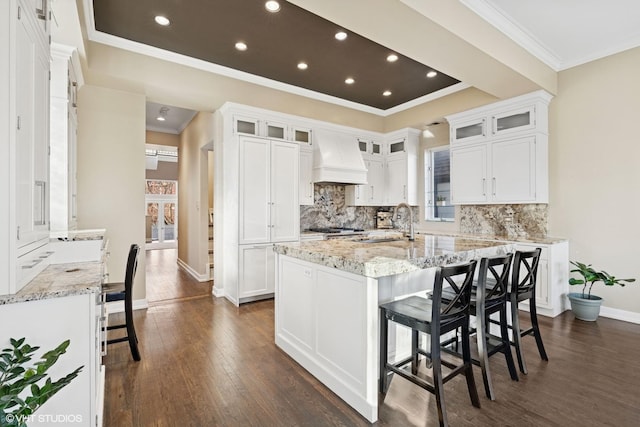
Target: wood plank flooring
208 363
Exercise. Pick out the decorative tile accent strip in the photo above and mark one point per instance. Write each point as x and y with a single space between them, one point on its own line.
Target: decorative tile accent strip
511 221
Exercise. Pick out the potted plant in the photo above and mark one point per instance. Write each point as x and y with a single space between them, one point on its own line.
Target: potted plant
584 305
441 201
20 393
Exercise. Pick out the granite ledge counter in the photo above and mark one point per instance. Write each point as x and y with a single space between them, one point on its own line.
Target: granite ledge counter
392 257
60 280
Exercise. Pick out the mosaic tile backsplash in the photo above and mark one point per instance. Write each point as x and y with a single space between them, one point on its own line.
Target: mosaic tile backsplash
528 220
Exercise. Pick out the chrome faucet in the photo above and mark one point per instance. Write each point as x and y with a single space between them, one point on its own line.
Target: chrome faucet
401 205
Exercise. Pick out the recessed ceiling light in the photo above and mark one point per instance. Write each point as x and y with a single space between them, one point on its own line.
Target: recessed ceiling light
341 35
162 114
392 57
431 74
162 20
272 6
349 80
302 65
160 119
241 46
386 93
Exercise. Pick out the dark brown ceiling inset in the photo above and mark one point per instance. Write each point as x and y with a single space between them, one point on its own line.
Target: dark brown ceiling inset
209 29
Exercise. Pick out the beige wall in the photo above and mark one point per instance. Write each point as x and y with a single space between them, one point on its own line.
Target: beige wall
165 170
111 167
594 157
193 177
162 138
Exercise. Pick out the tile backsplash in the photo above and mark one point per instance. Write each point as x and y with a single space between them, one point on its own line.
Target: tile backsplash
505 220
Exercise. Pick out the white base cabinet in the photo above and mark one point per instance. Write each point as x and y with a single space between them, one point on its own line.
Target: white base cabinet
552 281
47 323
257 277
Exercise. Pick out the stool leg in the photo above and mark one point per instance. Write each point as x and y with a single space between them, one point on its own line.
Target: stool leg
517 338
481 337
536 329
506 345
414 352
466 357
438 384
132 337
384 326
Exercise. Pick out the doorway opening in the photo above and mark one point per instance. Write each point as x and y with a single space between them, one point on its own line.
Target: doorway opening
161 200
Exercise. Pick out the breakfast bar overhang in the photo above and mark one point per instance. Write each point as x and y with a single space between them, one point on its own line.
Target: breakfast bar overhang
327 297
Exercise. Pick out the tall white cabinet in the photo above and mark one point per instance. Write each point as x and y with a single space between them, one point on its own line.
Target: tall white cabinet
24 123
260 203
66 79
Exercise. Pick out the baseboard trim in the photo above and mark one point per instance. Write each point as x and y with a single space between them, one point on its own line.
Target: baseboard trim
118 306
217 292
625 316
199 277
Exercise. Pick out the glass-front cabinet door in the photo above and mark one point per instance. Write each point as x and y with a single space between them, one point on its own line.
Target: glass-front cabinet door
514 120
275 130
469 131
245 125
301 134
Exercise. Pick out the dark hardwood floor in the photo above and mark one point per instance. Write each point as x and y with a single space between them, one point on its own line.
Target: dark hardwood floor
208 363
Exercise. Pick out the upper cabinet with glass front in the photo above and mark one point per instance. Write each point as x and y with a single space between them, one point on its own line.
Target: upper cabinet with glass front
511 117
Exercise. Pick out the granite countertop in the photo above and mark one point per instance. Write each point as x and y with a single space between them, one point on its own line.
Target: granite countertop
93 234
543 240
60 280
392 257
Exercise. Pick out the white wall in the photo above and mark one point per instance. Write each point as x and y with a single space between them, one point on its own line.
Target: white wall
111 168
594 156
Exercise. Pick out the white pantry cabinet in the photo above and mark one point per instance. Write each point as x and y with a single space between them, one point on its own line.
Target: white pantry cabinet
499 152
269 209
24 154
257 277
371 193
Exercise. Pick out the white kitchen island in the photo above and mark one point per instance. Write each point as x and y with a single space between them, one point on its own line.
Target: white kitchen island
327 297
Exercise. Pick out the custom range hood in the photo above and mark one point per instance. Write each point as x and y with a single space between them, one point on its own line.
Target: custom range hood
337 159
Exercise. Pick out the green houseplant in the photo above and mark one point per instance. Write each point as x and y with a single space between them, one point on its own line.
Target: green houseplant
584 305
16 378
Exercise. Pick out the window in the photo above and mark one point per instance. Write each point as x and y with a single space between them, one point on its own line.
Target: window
437 185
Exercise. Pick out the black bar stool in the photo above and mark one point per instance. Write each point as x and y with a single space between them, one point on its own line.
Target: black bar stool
435 318
489 296
123 292
523 288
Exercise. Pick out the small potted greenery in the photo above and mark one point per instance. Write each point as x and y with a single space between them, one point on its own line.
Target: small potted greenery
441 201
20 393
584 305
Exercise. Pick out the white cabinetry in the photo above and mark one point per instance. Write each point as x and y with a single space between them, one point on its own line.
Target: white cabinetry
499 152
66 78
372 193
75 318
306 176
552 279
24 153
268 208
401 167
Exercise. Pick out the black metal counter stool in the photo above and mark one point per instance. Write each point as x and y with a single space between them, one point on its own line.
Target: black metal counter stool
523 288
434 318
489 296
123 292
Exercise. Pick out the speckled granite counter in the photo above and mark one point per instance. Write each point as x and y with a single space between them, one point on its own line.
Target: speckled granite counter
60 280
543 240
392 257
